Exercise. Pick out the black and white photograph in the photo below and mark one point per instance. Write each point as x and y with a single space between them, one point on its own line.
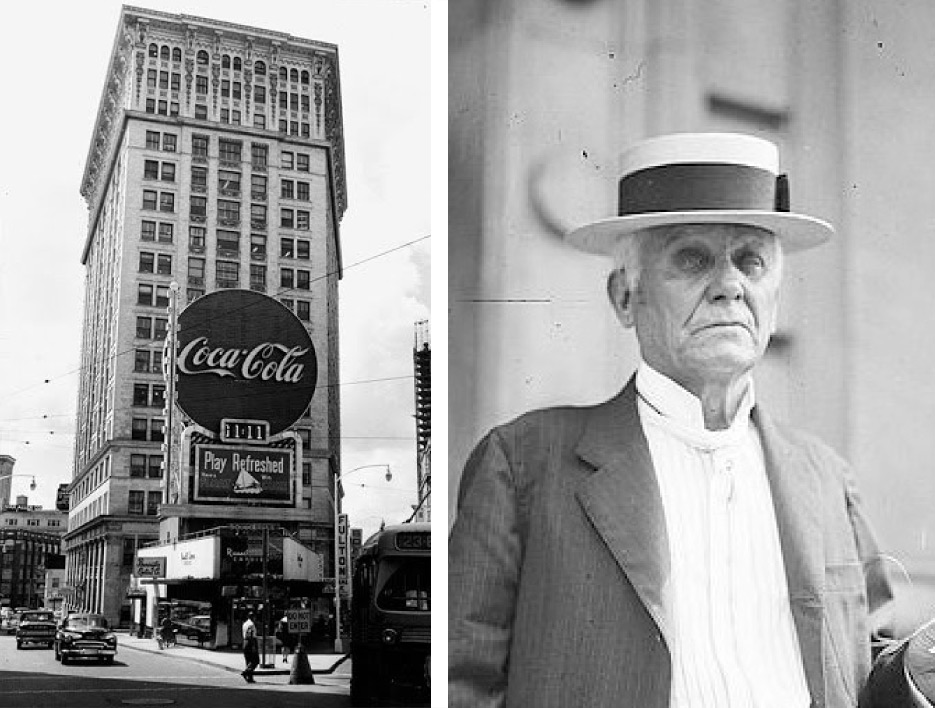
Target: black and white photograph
215 354
690 391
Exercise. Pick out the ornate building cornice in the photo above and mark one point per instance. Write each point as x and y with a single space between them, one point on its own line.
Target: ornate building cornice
138 27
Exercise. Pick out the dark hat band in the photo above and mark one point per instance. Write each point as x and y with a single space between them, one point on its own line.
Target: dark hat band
702 187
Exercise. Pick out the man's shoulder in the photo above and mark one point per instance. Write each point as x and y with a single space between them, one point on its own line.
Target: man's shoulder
817 449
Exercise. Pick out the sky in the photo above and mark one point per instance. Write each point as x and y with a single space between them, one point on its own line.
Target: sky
57 59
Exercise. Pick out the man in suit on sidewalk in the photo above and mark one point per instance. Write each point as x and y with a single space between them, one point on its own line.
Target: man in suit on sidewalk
674 546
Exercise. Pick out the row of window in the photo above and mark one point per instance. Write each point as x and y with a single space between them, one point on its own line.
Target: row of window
166 142
153 169
146 466
228 243
148 361
160 263
163 79
161 232
227 62
147 429
10 521
151 327
135 506
151 395
152 295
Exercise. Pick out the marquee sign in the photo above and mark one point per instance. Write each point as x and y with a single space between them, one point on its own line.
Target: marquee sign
245 356
240 474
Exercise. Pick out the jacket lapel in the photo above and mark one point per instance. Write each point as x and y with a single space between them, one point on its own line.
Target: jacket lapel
621 498
797 500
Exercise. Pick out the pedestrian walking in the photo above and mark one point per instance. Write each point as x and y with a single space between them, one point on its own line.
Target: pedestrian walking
251 653
166 636
286 638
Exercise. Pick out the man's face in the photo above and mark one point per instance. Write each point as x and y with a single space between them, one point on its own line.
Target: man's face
707 299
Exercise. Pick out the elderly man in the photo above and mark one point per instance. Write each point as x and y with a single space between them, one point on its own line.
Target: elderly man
673 546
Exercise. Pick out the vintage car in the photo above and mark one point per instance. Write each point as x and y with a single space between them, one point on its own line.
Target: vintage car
85 636
197 628
36 627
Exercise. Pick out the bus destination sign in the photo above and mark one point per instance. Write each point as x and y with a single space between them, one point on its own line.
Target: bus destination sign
414 541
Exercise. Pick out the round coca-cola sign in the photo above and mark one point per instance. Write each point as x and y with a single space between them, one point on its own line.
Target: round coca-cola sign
243 355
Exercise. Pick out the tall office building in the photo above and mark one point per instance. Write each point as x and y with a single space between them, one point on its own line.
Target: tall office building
216 161
422 364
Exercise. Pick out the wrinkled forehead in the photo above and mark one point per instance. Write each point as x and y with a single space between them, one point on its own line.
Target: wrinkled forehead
717 236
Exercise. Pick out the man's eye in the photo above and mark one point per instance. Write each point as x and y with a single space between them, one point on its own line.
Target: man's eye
691 260
751 263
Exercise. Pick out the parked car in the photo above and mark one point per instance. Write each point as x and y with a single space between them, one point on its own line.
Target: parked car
36 627
197 628
9 620
85 636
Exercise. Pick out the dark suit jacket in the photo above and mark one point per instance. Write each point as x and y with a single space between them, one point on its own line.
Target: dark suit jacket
558 566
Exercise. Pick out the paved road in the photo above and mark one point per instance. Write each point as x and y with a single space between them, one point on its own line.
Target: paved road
31 678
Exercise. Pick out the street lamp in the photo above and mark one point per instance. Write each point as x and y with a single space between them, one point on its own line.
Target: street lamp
338 645
32 485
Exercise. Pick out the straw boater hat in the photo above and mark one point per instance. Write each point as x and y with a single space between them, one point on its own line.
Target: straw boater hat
702 178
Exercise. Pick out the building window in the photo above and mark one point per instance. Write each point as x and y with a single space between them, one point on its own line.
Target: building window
228 274
168 172
163 80
199 178
228 212
303 310
149 199
168 142
288 188
288 303
152 140
229 182
200 145
150 105
139 429
305 103
286 218
306 473
159 396
156 433
302 249
225 115
301 220
144 327
164 264
258 216
147 262
165 233
153 50
157 362
160 325
151 169
258 187
235 91
259 121
302 279
286 161
201 84
177 55
294 127
196 239
235 117
196 271
286 278
301 162
199 208
286 248
258 247
293 75
203 57
137 465
194 293
153 500
144 294
164 52
258 277
175 82
228 244
225 88
135 502
230 150
140 394
141 361
237 64
173 108
162 296
283 126
259 94
284 100
259 68
305 130
258 156
302 191
148 231
155 466
166 201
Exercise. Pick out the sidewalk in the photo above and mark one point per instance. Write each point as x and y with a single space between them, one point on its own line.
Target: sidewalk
233 660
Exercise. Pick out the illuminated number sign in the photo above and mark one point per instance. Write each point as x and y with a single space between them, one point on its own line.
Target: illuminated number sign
233 430
414 541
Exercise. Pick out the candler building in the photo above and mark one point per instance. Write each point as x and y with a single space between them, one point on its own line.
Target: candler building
216 161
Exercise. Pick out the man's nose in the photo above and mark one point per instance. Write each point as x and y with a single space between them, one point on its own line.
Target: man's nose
725 283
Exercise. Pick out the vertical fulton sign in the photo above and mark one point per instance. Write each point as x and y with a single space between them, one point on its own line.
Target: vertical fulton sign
343 557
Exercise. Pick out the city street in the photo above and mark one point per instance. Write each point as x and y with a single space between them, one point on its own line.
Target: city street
142 675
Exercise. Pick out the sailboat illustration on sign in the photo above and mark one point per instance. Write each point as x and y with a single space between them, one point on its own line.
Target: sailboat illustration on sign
247 484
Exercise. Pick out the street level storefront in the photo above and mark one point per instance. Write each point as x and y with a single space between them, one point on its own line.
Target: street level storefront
208 582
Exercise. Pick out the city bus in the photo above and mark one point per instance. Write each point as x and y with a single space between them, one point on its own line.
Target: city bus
391 614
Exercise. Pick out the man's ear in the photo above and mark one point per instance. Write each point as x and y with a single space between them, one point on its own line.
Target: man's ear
621 297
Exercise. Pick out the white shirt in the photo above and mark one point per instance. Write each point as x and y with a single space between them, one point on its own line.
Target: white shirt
248 629
734 643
